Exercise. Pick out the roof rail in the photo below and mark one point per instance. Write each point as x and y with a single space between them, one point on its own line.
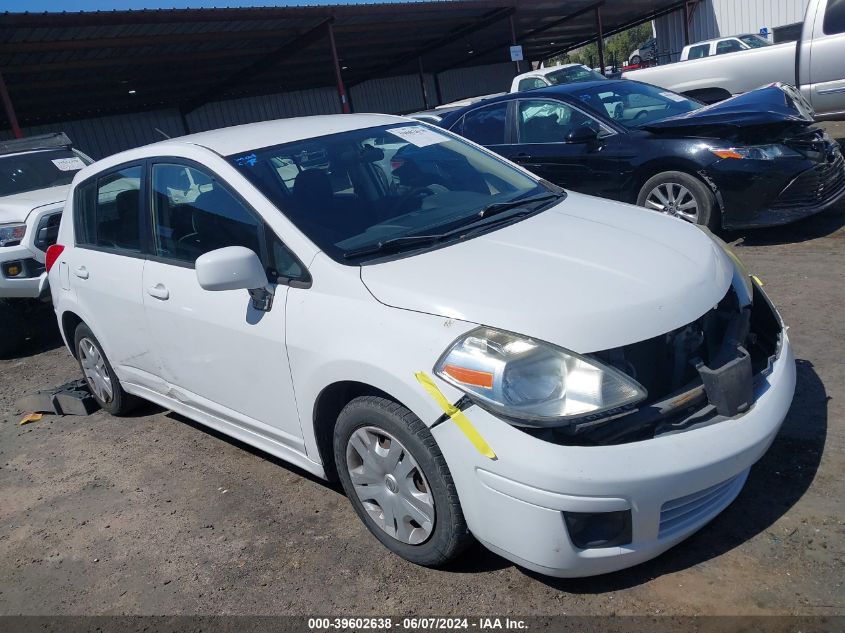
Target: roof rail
55 140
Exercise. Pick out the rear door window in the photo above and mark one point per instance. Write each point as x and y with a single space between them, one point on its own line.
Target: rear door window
486 126
697 52
728 46
107 211
530 83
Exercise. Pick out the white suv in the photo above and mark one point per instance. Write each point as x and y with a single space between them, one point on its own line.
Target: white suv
577 383
35 175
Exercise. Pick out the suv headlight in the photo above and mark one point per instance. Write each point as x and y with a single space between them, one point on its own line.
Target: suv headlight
757 152
533 383
11 233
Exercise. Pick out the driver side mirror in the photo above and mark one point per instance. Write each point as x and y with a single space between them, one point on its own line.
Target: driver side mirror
235 268
582 134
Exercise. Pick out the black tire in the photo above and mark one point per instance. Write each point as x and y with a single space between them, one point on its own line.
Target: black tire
636 60
12 329
450 535
120 402
707 210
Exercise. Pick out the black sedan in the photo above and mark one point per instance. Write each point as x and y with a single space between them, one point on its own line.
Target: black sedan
753 160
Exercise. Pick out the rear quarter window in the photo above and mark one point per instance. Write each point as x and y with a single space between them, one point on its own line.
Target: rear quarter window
834 17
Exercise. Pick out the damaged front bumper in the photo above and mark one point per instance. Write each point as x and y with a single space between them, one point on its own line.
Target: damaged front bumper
672 485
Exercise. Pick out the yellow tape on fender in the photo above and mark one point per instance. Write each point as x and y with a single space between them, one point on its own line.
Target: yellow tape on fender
457 416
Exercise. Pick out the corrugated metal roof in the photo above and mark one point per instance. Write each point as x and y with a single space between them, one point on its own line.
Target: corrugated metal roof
60 65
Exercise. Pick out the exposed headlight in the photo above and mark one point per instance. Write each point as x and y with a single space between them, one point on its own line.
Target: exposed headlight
533 383
11 233
757 152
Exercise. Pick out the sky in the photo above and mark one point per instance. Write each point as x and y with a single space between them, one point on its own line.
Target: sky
110 5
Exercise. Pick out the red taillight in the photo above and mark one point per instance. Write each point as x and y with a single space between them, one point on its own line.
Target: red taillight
396 163
53 253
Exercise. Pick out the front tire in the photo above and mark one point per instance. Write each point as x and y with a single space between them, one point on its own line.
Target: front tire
98 372
682 195
636 60
398 481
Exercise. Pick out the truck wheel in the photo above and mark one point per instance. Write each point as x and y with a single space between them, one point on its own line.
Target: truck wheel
12 329
682 195
398 482
98 372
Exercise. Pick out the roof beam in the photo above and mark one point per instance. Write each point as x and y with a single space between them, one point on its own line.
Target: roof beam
525 37
262 64
487 20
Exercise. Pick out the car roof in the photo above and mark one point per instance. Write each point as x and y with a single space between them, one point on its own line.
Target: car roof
557 90
240 138
541 72
719 39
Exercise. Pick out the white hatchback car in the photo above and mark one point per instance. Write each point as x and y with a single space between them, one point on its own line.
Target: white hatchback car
579 384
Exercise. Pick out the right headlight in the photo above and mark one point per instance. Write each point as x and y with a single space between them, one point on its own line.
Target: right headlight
533 383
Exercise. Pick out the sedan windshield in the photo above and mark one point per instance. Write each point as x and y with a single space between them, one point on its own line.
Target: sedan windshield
400 186
38 170
574 74
633 104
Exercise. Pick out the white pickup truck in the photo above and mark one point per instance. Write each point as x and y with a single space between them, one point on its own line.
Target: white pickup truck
35 175
814 64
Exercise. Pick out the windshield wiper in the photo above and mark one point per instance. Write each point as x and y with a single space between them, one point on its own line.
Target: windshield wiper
396 244
392 245
498 207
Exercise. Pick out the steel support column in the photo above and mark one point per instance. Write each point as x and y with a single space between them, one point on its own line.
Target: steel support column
10 109
423 87
341 90
514 42
600 39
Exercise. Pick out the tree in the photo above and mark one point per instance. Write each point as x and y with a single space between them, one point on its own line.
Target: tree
616 48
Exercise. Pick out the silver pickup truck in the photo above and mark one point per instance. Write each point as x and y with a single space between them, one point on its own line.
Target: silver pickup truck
815 64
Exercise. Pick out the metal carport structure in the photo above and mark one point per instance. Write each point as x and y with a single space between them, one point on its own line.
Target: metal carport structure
64 66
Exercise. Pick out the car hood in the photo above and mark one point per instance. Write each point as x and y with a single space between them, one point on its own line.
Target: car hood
773 105
587 274
17 208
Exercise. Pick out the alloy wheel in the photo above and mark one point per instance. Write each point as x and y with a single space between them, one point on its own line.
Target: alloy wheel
675 199
96 373
390 485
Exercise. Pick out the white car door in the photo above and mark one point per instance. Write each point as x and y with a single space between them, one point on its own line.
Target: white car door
106 268
219 354
824 56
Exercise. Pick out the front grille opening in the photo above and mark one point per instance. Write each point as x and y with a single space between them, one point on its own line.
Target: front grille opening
666 366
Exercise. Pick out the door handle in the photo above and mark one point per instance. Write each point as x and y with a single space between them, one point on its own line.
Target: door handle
81 272
159 292
522 156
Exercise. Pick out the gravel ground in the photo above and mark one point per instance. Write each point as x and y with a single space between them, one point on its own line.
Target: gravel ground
154 514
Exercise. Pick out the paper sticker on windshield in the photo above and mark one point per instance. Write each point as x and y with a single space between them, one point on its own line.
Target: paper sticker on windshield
673 97
418 135
68 164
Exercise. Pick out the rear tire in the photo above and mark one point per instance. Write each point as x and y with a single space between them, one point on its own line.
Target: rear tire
98 372
12 329
397 464
682 195
636 60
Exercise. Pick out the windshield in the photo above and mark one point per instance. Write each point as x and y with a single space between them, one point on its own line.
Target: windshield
573 74
634 104
38 170
755 41
354 190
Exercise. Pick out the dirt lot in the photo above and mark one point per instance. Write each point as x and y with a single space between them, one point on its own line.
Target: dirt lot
155 515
